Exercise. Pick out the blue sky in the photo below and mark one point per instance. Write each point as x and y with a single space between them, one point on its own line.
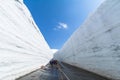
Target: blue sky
58 19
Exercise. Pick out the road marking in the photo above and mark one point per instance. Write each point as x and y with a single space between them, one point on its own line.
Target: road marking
63 72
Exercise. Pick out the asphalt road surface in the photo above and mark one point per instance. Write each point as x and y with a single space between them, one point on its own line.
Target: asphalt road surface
61 72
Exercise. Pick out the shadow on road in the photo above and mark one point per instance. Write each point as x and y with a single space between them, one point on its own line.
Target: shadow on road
61 71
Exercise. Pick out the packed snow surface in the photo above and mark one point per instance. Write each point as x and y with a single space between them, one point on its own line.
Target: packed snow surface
22 46
95 45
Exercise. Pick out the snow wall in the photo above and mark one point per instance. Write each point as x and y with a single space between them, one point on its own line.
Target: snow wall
95 45
22 46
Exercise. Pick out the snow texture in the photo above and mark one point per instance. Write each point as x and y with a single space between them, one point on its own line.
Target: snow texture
95 45
22 46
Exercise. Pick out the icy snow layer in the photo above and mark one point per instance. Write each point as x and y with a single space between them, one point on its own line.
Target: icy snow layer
22 46
95 45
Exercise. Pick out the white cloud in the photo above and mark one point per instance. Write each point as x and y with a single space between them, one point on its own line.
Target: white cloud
61 26
54 50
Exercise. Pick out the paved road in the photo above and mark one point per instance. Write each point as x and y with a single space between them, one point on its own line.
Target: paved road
42 74
75 73
65 72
